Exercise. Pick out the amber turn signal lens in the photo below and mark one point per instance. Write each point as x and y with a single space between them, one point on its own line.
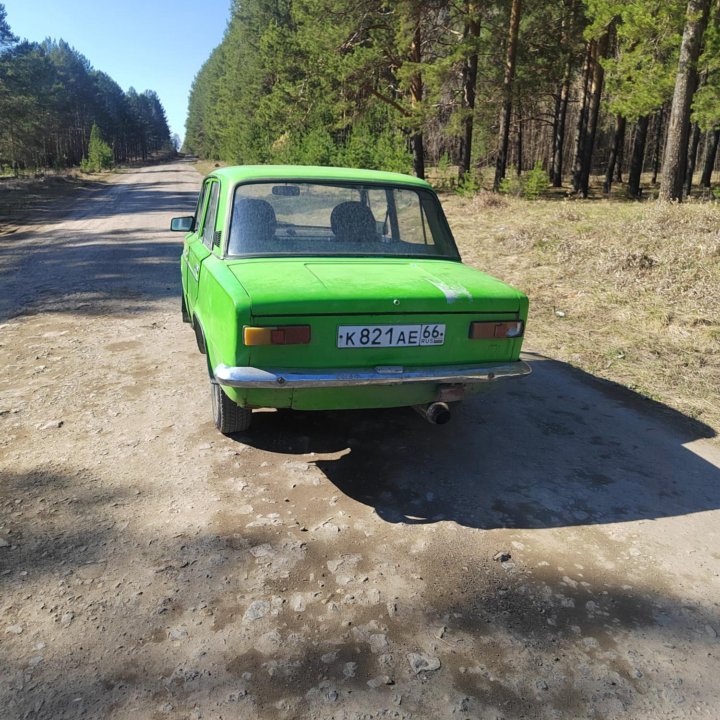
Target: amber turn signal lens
288 335
257 336
494 330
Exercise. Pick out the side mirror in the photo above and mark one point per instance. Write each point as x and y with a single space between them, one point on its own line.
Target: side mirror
182 224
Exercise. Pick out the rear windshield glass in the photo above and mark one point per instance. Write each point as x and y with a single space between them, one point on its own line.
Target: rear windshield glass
299 218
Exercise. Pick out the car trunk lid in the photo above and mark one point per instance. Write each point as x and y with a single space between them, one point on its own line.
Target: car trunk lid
310 287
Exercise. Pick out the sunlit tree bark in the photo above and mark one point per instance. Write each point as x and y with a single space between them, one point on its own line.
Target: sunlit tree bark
676 145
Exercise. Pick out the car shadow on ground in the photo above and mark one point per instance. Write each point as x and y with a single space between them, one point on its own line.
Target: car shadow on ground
559 448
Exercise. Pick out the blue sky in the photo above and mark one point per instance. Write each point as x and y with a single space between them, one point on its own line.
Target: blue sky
147 44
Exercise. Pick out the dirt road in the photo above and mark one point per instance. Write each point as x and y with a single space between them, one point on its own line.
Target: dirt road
329 565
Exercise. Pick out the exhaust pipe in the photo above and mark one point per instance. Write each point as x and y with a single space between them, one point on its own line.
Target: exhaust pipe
436 413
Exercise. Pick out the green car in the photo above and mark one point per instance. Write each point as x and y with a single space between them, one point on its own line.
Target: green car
320 288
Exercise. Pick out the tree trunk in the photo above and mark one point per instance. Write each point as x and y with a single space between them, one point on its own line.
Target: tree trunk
561 106
556 153
469 82
620 160
659 122
508 80
638 156
519 167
618 142
711 147
563 95
596 85
416 97
418 154
675 155
581 129
692 158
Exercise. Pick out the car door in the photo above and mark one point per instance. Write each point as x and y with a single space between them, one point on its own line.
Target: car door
200 242
192 237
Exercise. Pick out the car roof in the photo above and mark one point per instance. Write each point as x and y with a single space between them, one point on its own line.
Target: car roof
244 173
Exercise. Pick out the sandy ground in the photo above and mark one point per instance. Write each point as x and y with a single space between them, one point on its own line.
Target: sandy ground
554 552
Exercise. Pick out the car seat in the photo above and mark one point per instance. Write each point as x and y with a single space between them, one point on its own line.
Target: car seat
353 222
253 224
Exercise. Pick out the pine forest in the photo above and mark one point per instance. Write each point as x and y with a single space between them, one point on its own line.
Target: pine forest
57 111
489 93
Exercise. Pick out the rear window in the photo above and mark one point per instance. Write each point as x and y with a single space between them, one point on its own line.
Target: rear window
300 218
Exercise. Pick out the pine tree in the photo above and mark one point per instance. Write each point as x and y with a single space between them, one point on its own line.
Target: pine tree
6 37
100 155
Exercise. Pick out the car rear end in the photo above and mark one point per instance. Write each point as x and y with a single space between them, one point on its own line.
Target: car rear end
358 299
356 334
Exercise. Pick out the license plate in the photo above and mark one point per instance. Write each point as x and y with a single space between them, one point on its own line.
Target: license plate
360 336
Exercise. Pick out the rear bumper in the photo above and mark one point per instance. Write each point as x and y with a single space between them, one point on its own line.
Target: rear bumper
250 377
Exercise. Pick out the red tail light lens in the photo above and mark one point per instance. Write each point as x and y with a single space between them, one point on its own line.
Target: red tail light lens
494 330
291 335
287 335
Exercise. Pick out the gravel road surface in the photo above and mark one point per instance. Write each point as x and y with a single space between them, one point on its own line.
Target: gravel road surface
553 552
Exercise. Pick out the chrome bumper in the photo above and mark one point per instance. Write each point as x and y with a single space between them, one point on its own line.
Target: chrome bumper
250 377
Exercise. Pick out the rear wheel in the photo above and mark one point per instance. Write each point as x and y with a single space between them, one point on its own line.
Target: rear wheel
183 310
229 417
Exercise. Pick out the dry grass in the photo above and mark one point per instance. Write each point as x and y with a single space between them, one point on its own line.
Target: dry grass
205 167
626 291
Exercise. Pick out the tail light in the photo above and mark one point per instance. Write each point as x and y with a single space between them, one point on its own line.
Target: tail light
493 330
285 335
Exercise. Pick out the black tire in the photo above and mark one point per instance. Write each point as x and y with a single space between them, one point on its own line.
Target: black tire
200 339
229 418
183 310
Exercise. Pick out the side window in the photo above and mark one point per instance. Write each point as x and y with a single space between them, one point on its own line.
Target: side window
377 199
411 218
201 203
208 232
